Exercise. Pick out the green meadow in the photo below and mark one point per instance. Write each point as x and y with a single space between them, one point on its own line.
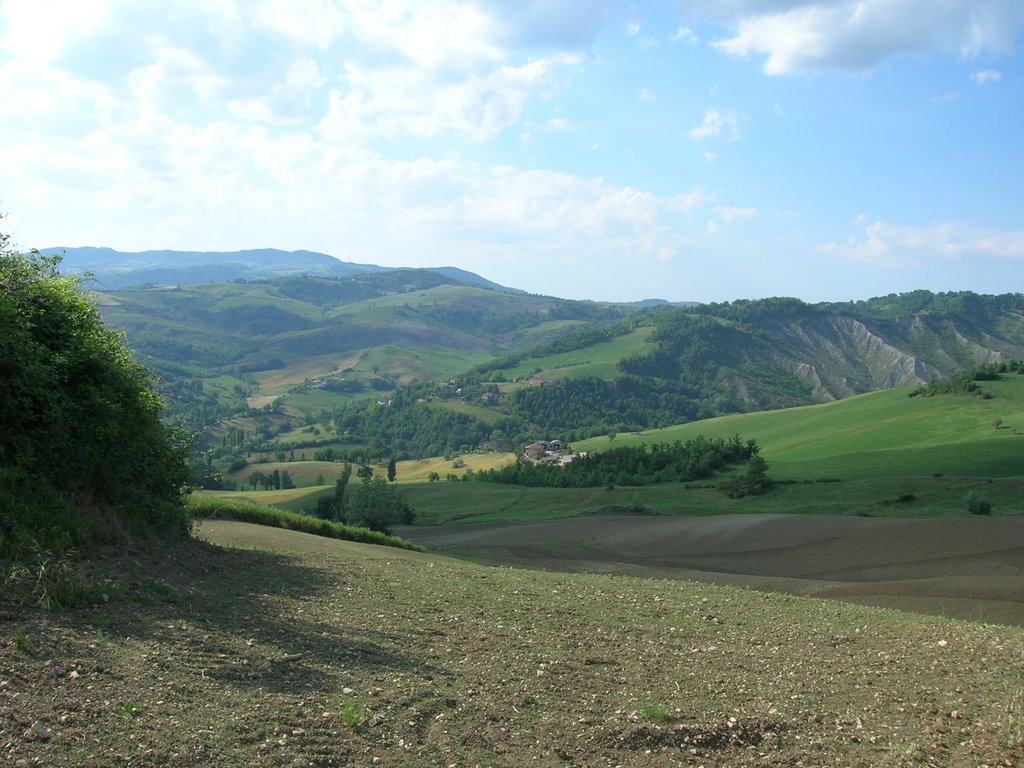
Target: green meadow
874 436
597 360
882 454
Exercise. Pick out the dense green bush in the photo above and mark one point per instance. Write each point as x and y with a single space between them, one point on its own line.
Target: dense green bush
84 455
247 512
678 462
976 504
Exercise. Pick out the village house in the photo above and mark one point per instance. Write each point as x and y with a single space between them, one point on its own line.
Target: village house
542 448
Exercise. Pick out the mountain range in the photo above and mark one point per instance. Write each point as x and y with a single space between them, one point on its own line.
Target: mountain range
110 269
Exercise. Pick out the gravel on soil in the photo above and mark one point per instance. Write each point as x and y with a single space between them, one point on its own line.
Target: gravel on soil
264 647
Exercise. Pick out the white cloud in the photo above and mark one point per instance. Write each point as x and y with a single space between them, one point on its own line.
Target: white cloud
314 22
399 100
862 35
891 245
714 123
684 34
287 101
729 214
647 96
40 29
986 76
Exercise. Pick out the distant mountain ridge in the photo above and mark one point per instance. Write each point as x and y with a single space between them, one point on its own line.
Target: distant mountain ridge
112 269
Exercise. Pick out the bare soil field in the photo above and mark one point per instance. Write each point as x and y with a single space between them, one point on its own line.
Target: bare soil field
267 647
966 568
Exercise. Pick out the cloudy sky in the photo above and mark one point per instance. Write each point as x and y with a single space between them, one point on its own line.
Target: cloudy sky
691 150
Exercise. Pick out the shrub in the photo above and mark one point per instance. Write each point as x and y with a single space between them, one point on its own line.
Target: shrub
247 512
977 505
84 455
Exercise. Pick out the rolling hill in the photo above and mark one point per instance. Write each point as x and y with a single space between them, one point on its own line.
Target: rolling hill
303 355
110 269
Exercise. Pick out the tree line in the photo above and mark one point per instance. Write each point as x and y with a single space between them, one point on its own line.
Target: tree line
695 459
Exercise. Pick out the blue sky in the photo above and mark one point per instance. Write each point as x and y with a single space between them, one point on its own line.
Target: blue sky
700 150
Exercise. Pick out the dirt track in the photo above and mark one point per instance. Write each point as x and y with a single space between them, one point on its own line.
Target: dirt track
968 568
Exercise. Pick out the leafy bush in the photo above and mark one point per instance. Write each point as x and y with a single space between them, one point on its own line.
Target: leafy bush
694 459
246 512
377 505
84 455
977 505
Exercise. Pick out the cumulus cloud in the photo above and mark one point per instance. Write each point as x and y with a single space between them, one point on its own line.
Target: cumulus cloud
684 34
861 35
286 101
986 76
714 123
892 245
729 214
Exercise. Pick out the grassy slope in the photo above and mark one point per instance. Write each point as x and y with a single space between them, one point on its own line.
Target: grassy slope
333 340
881 446
885 434
598 360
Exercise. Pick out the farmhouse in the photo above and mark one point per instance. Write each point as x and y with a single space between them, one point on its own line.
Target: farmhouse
542 448
536 451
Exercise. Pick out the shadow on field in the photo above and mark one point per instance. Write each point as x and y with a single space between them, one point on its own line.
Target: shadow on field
247 616
965 568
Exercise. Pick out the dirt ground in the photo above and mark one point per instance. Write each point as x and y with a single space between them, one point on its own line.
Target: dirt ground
965 568
266 647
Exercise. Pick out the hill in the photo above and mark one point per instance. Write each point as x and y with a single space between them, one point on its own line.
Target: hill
294 650
111 269
300 361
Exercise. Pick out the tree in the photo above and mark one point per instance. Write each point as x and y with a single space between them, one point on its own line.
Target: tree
392 470
976 504
286 480
365 472
377 505
84 454
339 491
255 477
433 477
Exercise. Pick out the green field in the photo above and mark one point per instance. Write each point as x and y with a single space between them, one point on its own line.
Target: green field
879 448
882 454
597 360
881 434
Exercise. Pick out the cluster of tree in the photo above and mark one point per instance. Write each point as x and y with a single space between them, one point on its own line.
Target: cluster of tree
678 462
960 303
83 450
482 321
271 481
753 482
586 406
965 382
991 371
375 503
958 384
415 429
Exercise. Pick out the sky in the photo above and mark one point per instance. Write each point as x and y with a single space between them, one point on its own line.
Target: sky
697 150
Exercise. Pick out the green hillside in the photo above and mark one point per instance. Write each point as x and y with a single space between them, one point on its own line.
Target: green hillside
412 363
881 434
880 454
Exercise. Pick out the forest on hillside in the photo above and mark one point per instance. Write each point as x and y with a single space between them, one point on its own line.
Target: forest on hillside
433 366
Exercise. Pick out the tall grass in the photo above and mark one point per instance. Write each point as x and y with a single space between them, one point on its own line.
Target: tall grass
228 509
